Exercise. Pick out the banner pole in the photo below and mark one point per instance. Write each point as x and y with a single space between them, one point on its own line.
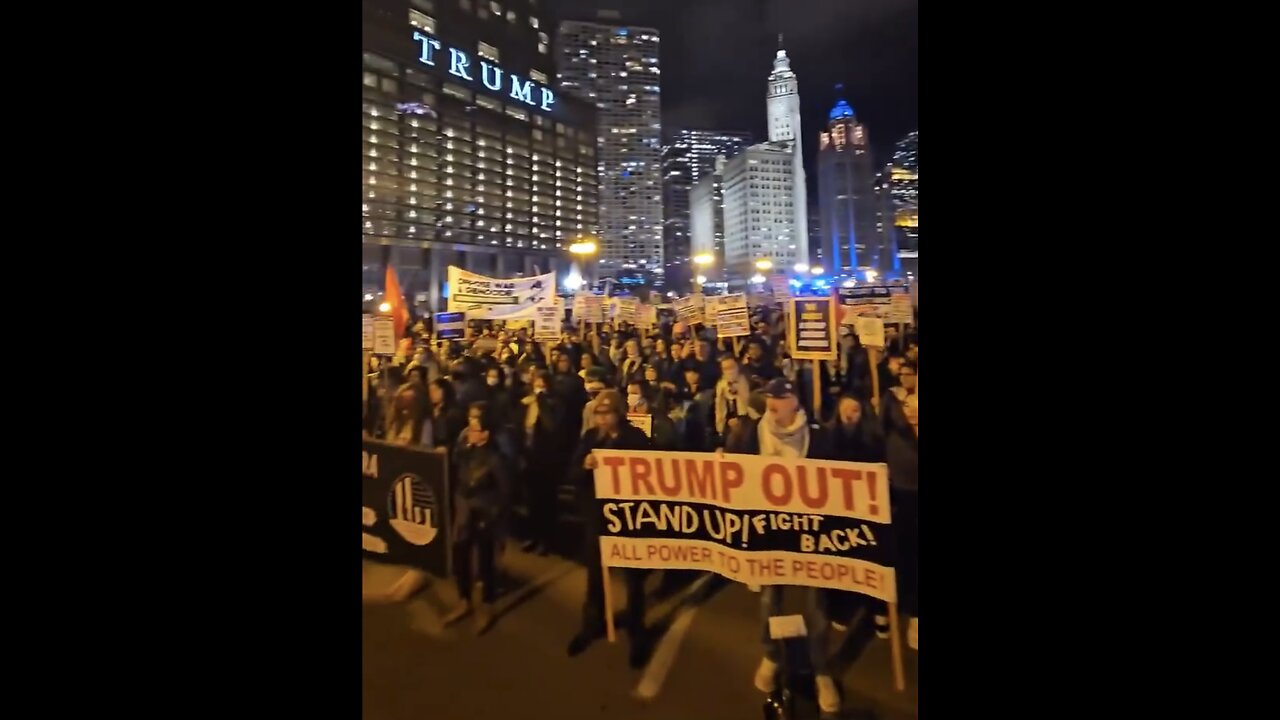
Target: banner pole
817 391
610 633
737 347
875 376
898 677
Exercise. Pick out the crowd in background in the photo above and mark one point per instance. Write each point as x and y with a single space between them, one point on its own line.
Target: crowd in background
506 407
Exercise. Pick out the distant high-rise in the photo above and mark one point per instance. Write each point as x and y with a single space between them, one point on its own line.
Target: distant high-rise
906 179
616 67
765 206
855 236
690 157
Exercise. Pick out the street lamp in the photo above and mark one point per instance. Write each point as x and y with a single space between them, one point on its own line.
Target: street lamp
764 265
758 279
384 307
871 275
583 249
801 268
703 261
816 269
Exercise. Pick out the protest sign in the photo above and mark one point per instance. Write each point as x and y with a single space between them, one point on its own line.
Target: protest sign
781 286
646 317
689 309
626 312
870 331
731 316
406 507
547 324
450 325
900 309
644 421
867 301
811 322
588 308
366 342
486 298
384 335
753 519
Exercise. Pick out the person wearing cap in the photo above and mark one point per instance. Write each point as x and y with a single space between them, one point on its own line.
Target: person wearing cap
784 431
611 432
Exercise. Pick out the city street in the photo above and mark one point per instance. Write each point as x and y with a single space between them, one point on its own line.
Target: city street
702 667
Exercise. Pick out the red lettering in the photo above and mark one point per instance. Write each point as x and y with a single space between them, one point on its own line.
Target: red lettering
819 500
842 572
781 498
730 478
651 550
797 567
613 462
673 489
828 571
701 485
811 570
640 470
847 478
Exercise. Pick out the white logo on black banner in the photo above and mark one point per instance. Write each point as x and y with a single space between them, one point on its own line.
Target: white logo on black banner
412 507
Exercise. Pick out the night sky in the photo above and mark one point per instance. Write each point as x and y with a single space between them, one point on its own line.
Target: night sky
716 55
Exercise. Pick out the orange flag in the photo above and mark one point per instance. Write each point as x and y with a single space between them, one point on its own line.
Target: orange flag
395 297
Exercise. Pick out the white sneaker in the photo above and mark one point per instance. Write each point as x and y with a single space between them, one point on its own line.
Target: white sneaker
767 676
913 634
828 696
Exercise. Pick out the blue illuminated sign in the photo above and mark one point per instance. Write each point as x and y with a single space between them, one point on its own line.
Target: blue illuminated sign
460 65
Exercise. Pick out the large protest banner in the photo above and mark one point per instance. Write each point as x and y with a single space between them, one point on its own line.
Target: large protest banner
406 507
486 298
753 519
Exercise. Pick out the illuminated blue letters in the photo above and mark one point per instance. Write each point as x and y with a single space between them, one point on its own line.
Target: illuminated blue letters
522 91
497 76
548 99
428 44
458 62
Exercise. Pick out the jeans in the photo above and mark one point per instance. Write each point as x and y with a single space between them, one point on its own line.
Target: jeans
481 539
816 623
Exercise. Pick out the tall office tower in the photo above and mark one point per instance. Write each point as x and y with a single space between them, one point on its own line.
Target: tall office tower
886 234
471 157
847 198
783 106
690 157
906 179
616 67
765 205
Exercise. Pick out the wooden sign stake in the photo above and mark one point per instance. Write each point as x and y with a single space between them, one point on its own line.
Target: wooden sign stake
899 678
610 633
875 376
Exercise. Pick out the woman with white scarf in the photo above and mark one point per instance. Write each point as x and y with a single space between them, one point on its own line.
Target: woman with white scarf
784 431
732 393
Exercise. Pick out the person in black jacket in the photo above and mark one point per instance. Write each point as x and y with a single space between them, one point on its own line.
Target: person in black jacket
482 504
447 419
548 436
902 450
855 432
612 432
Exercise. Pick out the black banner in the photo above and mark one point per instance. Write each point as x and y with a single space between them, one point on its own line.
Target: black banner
406 506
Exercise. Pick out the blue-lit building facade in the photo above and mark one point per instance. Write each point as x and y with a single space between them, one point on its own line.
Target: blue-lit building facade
471 155
906 200
854 204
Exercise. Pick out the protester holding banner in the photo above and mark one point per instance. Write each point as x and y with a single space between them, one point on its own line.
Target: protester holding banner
482 504
611 432
408 422
732 393
663 430
902 452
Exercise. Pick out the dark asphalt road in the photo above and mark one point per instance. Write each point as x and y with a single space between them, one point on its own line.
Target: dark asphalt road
416 670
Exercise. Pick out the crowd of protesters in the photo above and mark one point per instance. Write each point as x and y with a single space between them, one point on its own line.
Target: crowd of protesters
507 407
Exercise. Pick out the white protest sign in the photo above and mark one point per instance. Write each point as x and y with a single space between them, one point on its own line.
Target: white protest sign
900 309
732 319
646 317
689 309
870 331
367 342
486 298
644 421
384 336
547 324
626 311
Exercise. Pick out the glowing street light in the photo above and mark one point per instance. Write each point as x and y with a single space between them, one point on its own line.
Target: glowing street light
583 248
757 279
384 307
573 281
801 268
816 269
871 275
763 265
703 260
701 279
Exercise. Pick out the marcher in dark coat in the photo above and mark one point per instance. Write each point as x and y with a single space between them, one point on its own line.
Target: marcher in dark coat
482 504
855 432
612 432
548 436
447 418
902 450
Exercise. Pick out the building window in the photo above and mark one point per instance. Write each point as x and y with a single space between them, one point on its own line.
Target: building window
485 50
377 62
457 91
464 4
517 113
422 21
496 7
542 38
538 76
390 86
423 5
542 48
371 80
511 16
533 21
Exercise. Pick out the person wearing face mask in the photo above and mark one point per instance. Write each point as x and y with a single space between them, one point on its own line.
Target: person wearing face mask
662 430
784 432
732 395
498 396
902 453
545 445
596 384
